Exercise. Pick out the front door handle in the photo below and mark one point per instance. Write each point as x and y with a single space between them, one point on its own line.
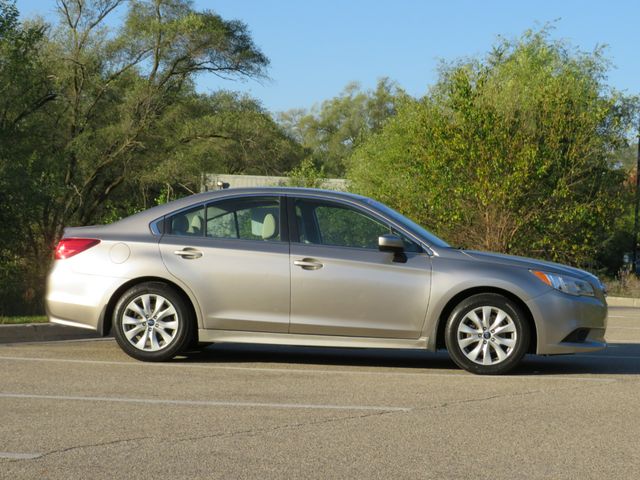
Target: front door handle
307 264
188 253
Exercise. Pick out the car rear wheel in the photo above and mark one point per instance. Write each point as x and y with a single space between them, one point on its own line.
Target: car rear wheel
152 322
487 334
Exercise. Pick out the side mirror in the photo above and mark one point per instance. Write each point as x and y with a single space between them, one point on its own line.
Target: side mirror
394 244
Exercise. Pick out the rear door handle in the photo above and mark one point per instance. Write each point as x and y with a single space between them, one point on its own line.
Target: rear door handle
307 264
188 253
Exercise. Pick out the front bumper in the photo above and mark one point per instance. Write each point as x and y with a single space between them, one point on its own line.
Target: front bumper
569 324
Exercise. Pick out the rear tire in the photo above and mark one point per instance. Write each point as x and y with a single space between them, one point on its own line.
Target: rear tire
152 322
487 334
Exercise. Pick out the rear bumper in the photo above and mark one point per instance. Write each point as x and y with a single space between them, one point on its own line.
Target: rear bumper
569 324
76 299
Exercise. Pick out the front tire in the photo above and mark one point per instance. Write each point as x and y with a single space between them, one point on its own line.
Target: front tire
152 322
487 334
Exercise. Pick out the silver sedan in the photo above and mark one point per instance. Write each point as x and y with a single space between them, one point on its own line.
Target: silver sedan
312 267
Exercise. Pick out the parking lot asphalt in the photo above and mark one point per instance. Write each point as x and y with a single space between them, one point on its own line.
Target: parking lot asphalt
83 409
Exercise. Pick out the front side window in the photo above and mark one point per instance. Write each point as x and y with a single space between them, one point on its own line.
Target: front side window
328 223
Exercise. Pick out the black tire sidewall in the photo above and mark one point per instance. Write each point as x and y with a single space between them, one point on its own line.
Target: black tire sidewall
480 300
183 336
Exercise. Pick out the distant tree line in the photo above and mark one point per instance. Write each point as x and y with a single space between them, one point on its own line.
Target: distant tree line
524 151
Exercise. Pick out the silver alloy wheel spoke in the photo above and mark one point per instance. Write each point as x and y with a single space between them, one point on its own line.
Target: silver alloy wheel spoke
146 304
150 322
160 302
473 317
168 325
166 313
486 354
165 336
142 341
130 334
499 352
470 330
154 340
500 316
132 321
510 328
135 308
465 342
473 354
507 342
486 317
487 335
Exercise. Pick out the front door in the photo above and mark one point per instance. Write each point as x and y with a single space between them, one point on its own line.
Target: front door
341 284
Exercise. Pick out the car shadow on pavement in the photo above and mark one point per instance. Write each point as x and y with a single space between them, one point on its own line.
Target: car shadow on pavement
243 354
618 359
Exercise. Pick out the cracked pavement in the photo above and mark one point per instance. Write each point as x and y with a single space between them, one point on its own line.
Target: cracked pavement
85 410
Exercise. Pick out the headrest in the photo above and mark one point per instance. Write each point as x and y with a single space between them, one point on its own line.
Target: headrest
269 227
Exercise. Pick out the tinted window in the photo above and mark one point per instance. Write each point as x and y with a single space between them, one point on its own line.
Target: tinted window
409 224
190 222
245 219
328 223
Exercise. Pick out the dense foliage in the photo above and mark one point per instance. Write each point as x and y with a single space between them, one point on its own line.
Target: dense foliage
330 132
524 151
99 121
512 153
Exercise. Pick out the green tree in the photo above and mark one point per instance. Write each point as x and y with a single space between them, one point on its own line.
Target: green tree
87 107
510 153
224 132
306 174
25 89
331 132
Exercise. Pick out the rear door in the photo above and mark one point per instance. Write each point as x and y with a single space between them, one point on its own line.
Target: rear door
234 255
341 284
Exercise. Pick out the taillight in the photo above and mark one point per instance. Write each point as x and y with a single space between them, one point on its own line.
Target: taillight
68 247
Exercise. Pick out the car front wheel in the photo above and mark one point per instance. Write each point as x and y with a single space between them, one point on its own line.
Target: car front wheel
152 322
487 334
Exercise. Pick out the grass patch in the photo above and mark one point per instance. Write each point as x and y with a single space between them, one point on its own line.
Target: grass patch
19 320
625 284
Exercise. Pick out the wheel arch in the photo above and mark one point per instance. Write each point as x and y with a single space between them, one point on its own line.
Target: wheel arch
107 318
460 296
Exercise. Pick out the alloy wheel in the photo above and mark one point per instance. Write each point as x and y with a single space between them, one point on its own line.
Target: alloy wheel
150 322
487 335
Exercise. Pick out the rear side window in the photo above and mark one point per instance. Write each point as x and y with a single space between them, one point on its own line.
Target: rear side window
254 218
186 223
244 219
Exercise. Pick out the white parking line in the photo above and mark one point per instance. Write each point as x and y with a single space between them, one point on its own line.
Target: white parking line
462 375
204 403
20 456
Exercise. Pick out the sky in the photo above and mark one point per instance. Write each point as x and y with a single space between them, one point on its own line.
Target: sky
317 47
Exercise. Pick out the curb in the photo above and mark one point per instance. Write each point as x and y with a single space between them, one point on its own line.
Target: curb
623 302
43 332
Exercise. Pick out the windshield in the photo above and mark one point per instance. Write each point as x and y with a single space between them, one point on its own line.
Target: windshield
412 226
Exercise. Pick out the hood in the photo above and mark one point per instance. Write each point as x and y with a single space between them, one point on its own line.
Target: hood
525 262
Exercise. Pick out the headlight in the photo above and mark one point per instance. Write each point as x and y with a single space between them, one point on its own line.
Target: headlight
566 284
